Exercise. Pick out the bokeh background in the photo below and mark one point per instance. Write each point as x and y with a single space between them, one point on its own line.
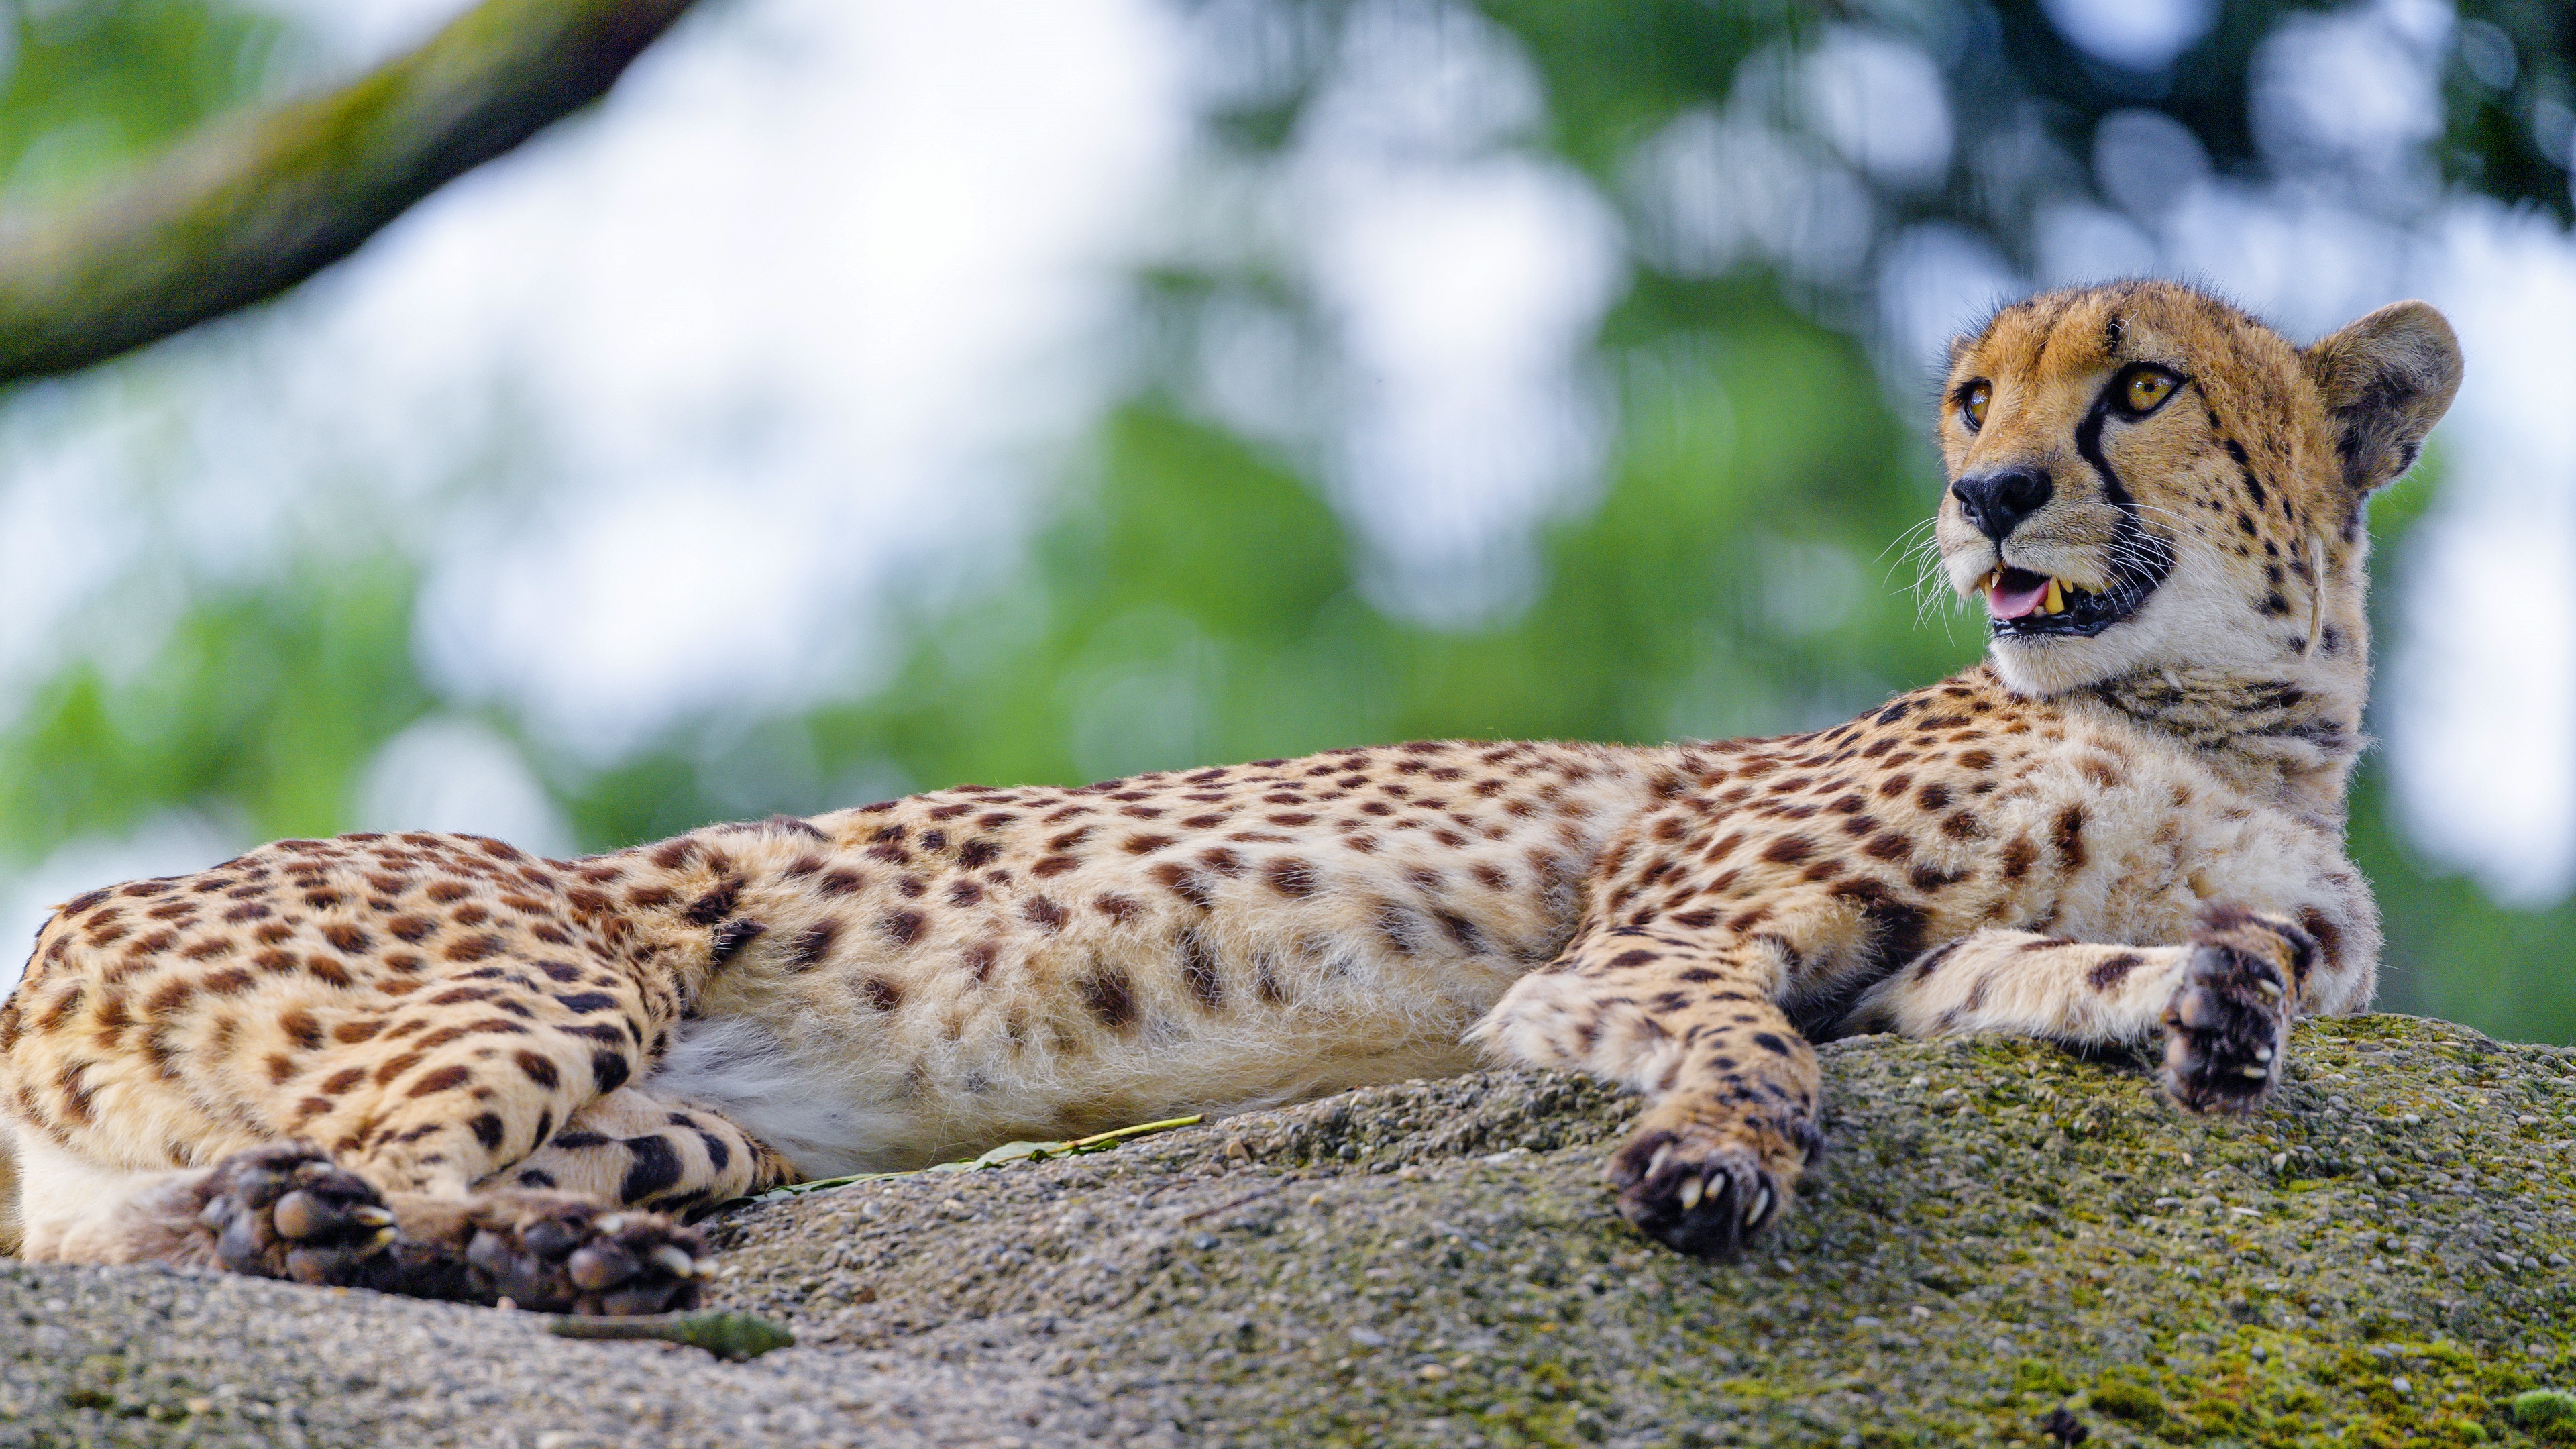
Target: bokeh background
871 396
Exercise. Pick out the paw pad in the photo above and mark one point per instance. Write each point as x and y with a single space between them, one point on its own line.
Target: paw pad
1695 1192
286 1212
2227 1027
569 1256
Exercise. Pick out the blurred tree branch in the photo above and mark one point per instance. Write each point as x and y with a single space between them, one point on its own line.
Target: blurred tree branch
249 207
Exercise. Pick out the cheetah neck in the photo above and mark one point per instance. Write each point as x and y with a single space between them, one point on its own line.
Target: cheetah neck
2292 738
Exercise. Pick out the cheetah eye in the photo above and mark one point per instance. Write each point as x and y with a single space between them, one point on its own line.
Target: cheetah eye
1972 403
2144 389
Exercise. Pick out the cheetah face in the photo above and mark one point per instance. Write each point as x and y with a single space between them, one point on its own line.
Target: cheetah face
2142 477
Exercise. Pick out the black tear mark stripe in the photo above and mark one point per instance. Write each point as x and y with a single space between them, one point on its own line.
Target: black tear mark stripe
2132 540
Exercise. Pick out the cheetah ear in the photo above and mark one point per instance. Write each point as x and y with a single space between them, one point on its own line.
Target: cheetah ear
2386 380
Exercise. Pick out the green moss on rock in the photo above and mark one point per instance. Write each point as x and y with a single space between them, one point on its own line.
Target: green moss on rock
1999 1231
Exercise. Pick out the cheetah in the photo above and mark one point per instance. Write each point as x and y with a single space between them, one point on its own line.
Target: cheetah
436 1065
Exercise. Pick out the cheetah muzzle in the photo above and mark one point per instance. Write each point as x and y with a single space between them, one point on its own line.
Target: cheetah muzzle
435 1064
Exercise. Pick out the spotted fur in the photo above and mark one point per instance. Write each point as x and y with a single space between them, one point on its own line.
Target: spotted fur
2100 837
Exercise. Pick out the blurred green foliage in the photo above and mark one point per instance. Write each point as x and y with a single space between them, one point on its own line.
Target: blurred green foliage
263 702
1188 596
93 86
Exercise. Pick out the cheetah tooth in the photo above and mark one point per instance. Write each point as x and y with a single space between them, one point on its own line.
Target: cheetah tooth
2268 988
2055 602
1655 1164
2262 1054
1692 1188
1761 1206
2258 1073
676 1260
384 1238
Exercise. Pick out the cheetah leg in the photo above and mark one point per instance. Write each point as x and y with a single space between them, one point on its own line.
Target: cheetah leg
2223 1003
291 1211
561 1229
579 1225
1731 1087
288 1211
640 1150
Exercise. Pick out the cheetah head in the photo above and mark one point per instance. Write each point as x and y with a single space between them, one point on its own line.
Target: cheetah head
2144 477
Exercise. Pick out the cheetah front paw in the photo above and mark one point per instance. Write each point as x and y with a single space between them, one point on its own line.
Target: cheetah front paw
286 1212
560 1254
2227 1028
1704 1190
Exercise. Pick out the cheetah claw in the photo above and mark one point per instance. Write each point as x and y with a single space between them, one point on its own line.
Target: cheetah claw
2227 1027
566 1255
1692 1191
286 1212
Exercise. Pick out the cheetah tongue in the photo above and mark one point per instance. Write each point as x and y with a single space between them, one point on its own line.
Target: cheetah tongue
2015 593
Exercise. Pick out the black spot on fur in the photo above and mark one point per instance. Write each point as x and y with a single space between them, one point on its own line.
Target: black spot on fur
732 936
2067 834
1199 969
2111 970
813 945
1930 961
715 905
1110 996
656 1168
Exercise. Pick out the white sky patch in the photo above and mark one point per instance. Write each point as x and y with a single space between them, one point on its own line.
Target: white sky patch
1882 103
2139 35
2305 263
1466 299
1934 282
1465 282
761 313
814 297
2481 721
355 33
2076 243
446 773
2356 91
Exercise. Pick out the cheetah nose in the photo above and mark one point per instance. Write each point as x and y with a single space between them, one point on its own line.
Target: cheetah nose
1995 503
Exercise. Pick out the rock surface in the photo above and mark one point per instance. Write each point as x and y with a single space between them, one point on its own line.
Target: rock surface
2000 1236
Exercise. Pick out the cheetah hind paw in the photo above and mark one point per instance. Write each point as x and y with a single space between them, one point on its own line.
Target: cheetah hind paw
561 1254
1692 1190
2227 1027
285 1212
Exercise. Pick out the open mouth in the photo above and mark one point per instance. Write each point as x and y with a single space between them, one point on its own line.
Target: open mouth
2025 604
